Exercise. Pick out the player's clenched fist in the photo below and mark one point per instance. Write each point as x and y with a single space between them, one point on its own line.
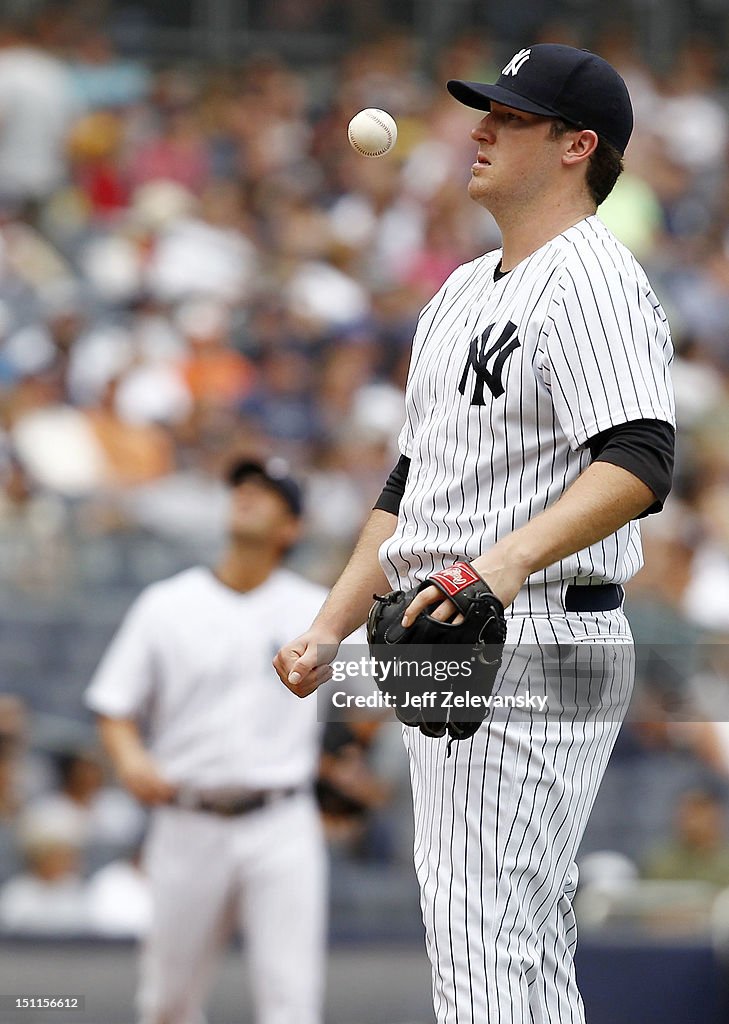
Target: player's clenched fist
300 664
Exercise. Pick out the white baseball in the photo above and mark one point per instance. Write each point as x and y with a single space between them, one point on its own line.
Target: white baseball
372 132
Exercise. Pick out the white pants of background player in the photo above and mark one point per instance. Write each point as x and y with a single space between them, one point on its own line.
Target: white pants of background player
498 824
265 870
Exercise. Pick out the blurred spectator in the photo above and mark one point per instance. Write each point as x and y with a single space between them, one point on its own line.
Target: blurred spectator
706 601
346 369
49 896
207 253
349 791
604 876
690 96
93 812
701 298
133 452
707 731
14 782
606 870
633 213
24 772
178 153
33 533
9 804
103 80
324 296
699 848
118 899
37 106
214 372
57 447
60 352
282 405
9 782
94 147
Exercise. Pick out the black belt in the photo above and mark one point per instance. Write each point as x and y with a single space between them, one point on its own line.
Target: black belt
231 805
601 598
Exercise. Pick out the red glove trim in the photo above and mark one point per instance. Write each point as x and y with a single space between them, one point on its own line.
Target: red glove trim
455 578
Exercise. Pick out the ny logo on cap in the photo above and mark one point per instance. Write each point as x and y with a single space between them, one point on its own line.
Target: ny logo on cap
516 62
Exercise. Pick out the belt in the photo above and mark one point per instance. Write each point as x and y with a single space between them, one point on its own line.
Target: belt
601 598
230 805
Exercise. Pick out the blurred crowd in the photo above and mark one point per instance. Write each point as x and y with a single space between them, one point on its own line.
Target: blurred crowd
193 262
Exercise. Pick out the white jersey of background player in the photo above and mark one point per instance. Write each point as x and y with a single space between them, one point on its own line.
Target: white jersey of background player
540 426
228 761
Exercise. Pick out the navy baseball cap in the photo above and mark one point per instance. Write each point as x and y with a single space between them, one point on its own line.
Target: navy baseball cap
559 81
275 473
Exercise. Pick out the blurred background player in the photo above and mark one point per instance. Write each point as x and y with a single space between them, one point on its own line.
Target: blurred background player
227 764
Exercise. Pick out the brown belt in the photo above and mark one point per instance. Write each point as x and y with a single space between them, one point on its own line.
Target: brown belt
232 804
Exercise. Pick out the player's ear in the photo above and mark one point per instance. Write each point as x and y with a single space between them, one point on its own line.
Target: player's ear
580 145
291 532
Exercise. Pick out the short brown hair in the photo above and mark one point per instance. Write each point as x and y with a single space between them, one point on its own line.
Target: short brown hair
605 165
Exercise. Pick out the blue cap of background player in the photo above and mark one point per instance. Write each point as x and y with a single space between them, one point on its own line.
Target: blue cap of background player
559 81
274 472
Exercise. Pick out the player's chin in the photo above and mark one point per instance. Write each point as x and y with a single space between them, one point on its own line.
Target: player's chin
477 188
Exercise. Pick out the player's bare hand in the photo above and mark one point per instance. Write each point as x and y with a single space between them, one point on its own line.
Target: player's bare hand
504 576
299 664
443 610
140 775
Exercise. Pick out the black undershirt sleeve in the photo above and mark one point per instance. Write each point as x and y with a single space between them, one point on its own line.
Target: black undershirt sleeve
392 492
645 448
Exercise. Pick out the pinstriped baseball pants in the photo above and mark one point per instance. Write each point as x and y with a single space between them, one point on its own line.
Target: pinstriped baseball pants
499 821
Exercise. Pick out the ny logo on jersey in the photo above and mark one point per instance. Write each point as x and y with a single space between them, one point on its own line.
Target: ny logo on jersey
478 357
516 62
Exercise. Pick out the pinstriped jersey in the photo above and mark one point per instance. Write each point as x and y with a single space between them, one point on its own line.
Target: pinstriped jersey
510 376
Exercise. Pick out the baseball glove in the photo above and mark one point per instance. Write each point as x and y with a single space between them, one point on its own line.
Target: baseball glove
479 639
